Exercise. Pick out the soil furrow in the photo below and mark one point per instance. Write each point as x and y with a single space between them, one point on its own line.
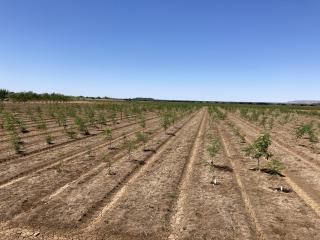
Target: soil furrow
182 195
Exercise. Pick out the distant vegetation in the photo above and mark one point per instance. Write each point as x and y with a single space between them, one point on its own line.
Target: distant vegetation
32 96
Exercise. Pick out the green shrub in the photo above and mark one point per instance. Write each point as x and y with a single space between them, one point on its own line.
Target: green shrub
49 139
80 123
308 130
275 166
142 137
260 148
213 147
16 142
108 134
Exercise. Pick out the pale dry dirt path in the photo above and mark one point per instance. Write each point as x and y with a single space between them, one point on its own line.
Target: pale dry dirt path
205 211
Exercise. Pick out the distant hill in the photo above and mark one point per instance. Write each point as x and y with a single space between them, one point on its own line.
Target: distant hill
305 102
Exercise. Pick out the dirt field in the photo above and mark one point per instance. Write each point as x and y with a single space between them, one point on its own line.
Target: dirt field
83 189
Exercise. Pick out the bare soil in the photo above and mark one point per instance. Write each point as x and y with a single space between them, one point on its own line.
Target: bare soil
83 190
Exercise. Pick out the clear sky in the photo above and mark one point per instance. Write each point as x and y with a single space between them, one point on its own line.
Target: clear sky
240 50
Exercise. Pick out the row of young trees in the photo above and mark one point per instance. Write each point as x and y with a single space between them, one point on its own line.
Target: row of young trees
258 150
266 117
80 118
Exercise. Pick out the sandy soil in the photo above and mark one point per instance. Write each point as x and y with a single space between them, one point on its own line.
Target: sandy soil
83 190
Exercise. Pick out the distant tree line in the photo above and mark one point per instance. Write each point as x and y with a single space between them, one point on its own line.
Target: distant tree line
31 96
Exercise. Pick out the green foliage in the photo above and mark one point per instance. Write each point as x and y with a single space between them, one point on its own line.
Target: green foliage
31 96
142 137
49 138
214 111
129 145
16 142
102 119
142 121
61 119
71 132
80 123
271 123
3 94
260 148
167 118
275 166
306 129
41 124
165 121
108 134
213 147
91 116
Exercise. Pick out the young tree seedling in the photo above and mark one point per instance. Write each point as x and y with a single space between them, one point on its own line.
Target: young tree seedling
275 166
108 133
49 138
213 149
307 130
129 145
142 137
260 148
16 142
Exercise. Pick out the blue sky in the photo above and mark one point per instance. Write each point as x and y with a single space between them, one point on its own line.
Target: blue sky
246 50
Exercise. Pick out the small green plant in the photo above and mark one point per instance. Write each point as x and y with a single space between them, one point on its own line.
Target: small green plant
108 134
71 133
239 135
165 121
3 94
16 142
102 119
91 117
80 123
129 145
271 123
213 147
275 166
263 121
306 130
260 148
142 121
49 138
62 119
23 127
114 117
142 137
